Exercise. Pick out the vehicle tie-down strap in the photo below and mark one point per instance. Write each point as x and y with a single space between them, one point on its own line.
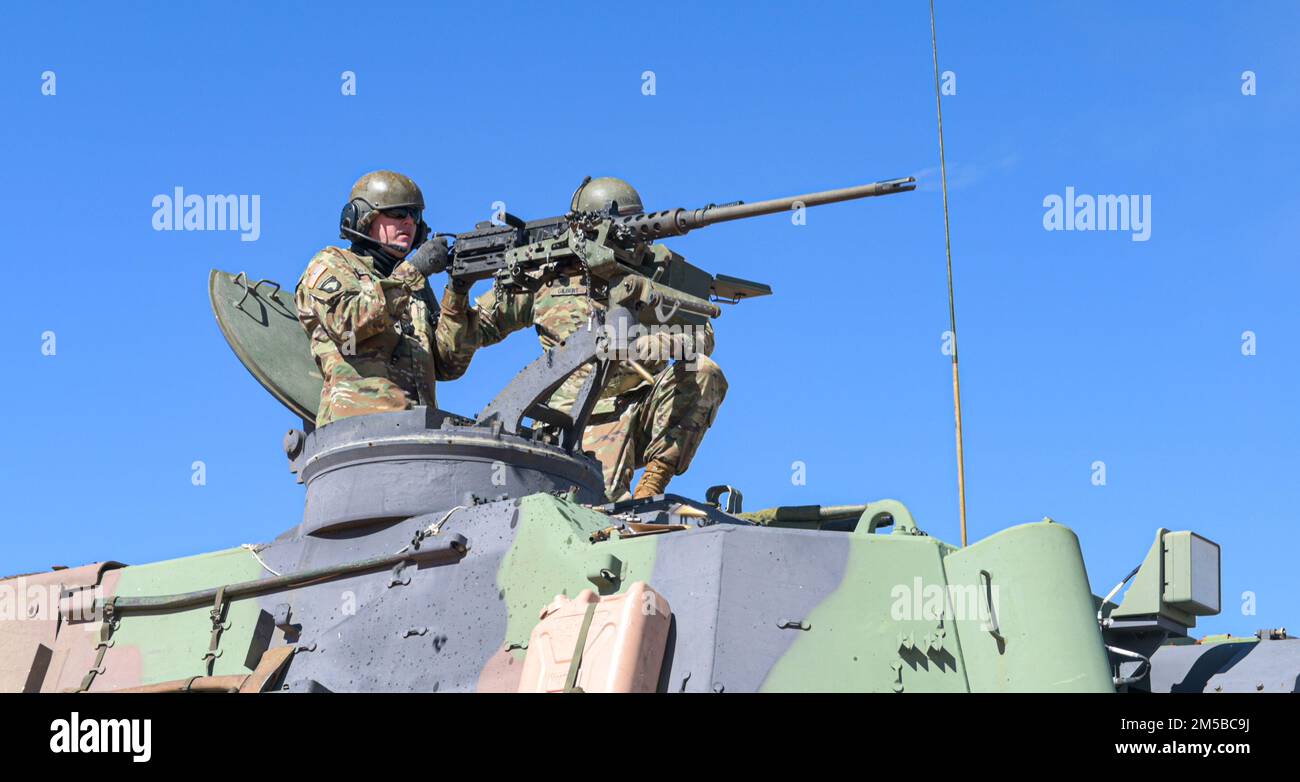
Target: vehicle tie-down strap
268 669
106 627
571 681
218 615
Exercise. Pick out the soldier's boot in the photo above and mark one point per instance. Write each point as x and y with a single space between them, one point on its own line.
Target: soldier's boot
655 479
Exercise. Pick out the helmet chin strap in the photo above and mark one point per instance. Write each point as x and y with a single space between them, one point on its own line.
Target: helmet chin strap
390 254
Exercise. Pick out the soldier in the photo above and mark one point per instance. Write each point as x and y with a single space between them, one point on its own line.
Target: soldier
377 333
636 423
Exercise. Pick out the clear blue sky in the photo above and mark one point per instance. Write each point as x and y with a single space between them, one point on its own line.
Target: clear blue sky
1076 347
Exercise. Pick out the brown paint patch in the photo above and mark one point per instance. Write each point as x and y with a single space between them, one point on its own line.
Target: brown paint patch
74 647
123 667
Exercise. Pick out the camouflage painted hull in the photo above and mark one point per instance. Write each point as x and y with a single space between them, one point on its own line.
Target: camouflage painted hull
416 570
753 609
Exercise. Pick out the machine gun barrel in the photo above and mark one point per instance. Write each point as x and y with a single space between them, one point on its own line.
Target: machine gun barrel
675 222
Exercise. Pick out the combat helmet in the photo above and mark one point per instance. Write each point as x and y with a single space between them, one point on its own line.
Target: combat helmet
374 193
594 195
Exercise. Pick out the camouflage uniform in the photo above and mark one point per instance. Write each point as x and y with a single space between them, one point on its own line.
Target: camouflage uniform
634 422
380 342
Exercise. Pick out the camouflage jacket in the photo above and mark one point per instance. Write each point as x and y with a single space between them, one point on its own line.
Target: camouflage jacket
556 311
377 341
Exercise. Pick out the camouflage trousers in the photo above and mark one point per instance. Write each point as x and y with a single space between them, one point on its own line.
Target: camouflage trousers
362 396
368 384
664 421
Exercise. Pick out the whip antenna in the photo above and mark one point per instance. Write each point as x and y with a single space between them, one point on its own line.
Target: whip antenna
952 307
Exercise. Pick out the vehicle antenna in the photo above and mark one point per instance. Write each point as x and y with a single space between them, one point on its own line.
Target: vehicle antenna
952 307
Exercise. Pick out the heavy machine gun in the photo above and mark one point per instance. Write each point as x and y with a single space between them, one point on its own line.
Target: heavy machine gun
638 282
617 255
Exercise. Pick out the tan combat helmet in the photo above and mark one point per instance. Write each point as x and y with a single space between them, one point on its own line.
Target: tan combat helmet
594 195
376 192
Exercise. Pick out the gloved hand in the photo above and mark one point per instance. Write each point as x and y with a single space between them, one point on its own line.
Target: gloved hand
431 257
659 347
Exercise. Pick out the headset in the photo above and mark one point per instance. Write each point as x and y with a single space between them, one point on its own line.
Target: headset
357 209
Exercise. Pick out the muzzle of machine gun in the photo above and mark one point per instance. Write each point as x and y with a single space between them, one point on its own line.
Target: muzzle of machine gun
649 226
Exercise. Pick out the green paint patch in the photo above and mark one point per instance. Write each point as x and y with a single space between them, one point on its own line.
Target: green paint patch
1045 636
171 645
858 633
552 554
1013 612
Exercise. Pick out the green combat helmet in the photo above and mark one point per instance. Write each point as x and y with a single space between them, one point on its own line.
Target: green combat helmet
595 194
377 192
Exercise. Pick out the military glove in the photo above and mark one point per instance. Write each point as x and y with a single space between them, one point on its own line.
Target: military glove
660 347
431 257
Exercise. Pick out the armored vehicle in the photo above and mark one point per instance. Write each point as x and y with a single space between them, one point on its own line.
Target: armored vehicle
438 552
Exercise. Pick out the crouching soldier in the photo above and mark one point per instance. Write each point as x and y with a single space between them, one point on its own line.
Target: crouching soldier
655 422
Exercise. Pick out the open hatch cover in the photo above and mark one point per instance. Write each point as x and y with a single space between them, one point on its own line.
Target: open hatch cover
259 321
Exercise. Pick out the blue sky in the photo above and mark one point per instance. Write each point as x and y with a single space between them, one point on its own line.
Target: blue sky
1076 347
